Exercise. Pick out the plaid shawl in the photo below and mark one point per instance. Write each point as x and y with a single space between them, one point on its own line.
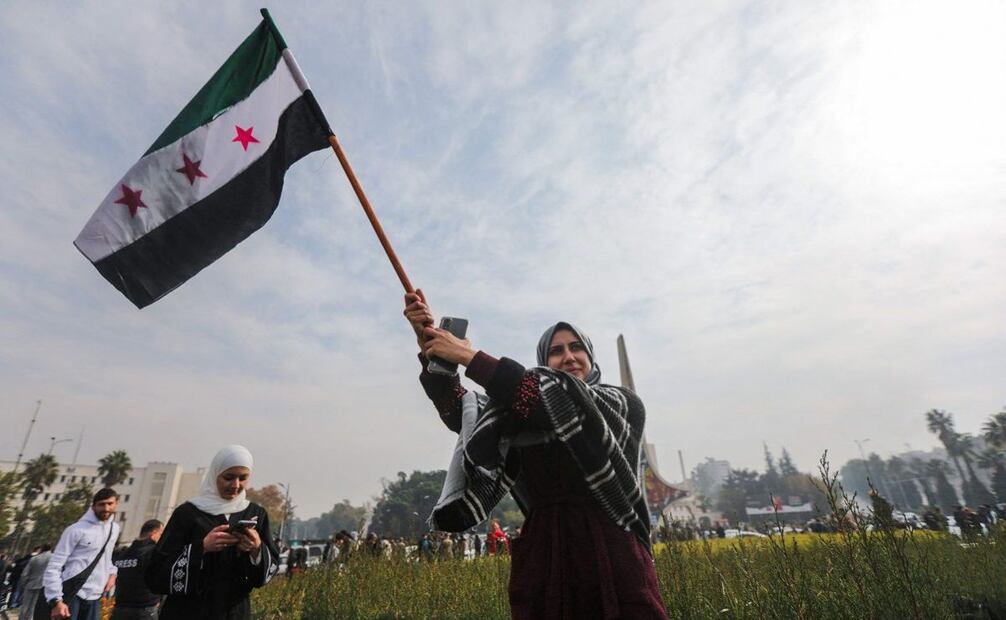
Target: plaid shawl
600 425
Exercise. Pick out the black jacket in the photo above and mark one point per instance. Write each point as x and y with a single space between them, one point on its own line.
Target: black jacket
130 586
210 586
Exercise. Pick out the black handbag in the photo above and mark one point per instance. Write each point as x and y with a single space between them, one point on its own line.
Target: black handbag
70 586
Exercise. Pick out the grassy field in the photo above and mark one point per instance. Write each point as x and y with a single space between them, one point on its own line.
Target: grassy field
854 574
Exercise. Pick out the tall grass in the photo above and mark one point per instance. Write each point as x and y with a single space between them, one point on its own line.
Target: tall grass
854 573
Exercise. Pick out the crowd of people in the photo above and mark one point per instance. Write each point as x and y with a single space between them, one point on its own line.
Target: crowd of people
430 547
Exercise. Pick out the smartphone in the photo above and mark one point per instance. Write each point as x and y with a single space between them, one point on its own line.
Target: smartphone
243 524
458 327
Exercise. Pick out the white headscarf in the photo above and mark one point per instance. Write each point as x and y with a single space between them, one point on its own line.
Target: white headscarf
209 500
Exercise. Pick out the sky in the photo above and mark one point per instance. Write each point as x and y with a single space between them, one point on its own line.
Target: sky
795 212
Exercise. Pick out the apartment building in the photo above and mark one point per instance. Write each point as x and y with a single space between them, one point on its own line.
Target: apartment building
150 492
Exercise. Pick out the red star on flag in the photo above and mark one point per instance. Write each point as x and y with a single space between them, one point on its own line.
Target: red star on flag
131 199
191 169
244 136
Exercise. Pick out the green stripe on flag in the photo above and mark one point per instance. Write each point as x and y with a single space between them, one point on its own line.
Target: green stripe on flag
250 64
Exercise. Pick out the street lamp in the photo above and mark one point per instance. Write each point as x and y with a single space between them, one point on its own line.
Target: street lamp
53 442
286 508
878 482
866 463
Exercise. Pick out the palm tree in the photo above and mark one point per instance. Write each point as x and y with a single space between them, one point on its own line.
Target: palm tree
917 469
38 473
966 450
114 467
946 494
995 429
907 492
975 493
942 423
8 489
992 460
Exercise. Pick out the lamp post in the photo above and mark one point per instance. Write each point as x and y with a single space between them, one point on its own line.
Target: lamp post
286 508
53 442
27 435
880 484
866 463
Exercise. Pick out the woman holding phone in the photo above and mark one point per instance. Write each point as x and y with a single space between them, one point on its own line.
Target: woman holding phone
216 547
567 448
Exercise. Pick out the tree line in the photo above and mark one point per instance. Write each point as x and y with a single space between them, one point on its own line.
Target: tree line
49 519
915 483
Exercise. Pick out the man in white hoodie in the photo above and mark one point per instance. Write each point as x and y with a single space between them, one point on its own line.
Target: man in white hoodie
88 542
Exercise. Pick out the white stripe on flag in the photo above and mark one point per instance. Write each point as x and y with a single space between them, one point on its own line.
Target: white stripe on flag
167 192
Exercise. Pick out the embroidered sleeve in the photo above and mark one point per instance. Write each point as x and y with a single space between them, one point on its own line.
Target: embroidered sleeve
176 561
180 569
446 393
507 382
527 398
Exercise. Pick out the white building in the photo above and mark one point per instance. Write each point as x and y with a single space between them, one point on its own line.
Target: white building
691 509
150 492
708 476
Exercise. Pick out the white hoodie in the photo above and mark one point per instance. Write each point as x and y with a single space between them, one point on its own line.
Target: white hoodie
75 551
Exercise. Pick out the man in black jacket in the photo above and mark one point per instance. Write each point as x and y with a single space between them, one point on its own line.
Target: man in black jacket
133 600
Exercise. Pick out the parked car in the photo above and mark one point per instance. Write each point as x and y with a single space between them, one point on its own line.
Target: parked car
732 533
315 554
912 520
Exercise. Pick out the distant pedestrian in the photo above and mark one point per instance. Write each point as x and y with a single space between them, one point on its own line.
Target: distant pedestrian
446 547
77 576
296 560
497 539
962 520
477 545
16 584
984 517
426 548
133 599
372 545
344 543
32 578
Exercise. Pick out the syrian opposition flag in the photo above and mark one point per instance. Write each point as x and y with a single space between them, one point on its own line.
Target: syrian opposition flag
212 178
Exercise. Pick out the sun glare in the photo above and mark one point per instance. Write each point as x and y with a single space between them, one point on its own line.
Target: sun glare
923 92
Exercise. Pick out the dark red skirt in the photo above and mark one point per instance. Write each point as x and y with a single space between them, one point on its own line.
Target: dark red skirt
571 560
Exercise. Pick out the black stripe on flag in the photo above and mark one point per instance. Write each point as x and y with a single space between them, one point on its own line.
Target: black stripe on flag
163 259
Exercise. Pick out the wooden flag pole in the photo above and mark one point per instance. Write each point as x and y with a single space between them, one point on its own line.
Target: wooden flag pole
370 214
298 75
